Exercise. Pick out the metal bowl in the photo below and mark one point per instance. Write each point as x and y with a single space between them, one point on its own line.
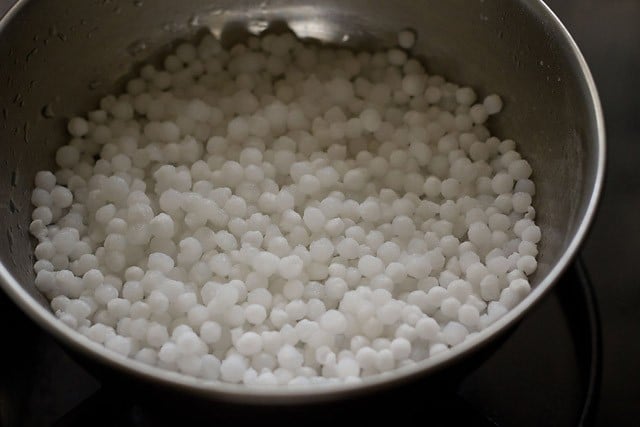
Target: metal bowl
60 57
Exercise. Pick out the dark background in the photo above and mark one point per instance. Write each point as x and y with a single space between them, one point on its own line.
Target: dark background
608 33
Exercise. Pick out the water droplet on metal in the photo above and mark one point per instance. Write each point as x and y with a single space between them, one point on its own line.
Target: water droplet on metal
47 111
25 130
171 27
95 84
10 240
257 26
31 53
137 47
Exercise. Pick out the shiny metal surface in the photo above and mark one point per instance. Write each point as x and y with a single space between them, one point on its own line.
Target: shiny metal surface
60 57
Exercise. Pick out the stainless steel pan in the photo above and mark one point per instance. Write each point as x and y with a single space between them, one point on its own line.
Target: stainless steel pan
58 57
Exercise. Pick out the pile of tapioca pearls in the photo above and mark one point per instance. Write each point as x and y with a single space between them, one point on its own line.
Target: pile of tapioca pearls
285 213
